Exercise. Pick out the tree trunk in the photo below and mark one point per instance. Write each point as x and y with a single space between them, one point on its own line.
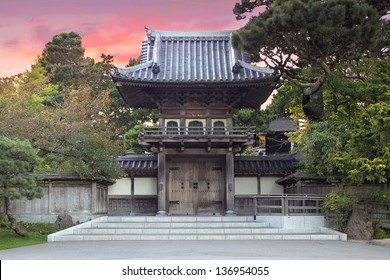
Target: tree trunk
313 105
17 228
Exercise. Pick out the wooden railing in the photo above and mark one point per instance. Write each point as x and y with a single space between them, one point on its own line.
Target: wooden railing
195 131
279 204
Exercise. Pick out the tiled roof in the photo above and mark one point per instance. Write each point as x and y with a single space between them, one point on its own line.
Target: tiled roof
138 164
188 57
285 164
283 125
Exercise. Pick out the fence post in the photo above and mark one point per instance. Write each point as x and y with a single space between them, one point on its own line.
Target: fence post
255 204
283 205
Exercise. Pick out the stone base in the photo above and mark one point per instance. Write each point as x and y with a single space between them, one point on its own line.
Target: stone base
230 213
161 213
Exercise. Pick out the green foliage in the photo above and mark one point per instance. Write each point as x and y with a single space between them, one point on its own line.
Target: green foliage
341 203
61 54
367 153
307 40
252 118
133 62
41 228
17 159
69 109
286 102
74 135
131 139
322 144
354 138
312 30
379 233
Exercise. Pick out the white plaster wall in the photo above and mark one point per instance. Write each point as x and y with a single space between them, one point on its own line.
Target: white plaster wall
145 186
121 187
268 186
245 185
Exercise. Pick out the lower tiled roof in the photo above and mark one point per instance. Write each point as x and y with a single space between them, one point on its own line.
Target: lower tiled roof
273 164
278 164
138 164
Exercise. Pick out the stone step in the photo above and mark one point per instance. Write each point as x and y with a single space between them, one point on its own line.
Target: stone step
159 231
178 224
187 228
150 237
162 231
178 219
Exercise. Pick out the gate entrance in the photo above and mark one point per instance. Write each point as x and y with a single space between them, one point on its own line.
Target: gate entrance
196 186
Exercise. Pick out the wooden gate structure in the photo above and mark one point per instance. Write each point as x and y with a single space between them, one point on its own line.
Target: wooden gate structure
195 81
196 186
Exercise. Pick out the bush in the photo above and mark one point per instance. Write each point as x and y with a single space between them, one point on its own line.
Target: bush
379 233
341 203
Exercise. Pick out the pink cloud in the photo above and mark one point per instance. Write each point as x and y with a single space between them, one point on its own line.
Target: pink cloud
110 27
11 44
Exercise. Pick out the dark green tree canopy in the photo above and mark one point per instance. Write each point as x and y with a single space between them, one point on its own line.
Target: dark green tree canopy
65 48
297 34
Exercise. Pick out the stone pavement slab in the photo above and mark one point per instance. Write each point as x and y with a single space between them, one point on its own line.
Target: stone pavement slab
200 250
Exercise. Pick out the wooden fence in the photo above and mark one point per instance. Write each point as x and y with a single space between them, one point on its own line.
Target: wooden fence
279 204
132 204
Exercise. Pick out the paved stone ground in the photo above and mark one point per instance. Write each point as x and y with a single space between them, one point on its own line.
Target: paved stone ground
200 250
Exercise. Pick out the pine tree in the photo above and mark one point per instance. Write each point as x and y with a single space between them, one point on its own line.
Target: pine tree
17 160
305 40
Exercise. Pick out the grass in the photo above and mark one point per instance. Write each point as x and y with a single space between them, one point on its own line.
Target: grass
38 234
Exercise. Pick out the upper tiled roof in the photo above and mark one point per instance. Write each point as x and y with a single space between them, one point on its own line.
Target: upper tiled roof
193 57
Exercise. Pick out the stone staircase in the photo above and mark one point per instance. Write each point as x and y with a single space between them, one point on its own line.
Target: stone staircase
187 228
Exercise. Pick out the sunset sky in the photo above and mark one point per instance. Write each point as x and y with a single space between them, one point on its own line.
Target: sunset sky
113 27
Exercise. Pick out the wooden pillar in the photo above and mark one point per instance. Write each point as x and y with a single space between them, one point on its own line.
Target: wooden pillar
93 198
49 208
161 184
229 184
132 199
299 187
258 184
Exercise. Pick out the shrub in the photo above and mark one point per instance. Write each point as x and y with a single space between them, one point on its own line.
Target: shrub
341 203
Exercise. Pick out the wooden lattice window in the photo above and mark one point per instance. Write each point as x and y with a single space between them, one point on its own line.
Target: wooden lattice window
219 127
195 128
172 128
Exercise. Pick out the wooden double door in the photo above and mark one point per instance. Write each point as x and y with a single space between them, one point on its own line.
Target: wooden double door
196 185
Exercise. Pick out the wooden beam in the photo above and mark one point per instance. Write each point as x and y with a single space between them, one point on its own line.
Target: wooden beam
229 184
161 184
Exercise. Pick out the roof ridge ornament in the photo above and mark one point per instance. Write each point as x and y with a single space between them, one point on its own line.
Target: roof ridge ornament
155 68
236 68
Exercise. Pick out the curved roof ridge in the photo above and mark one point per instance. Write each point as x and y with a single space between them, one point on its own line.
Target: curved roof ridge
137 67
255 67
174 33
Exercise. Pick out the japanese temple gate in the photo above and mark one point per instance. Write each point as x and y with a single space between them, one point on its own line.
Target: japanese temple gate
195 81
